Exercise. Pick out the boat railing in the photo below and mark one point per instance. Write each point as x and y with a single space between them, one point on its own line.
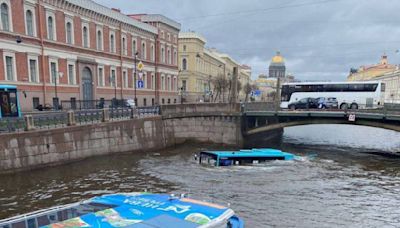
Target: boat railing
36 214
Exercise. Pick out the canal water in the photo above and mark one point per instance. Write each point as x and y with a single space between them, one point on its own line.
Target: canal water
338 182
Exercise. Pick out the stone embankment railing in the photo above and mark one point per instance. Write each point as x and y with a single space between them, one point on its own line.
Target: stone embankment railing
200 109
53 120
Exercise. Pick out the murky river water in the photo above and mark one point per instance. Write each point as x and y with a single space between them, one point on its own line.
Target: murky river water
338 183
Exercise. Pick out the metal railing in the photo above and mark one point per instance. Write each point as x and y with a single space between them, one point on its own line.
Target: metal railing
88 116
148 111
12 125
80 117
93 104
53 120
120 113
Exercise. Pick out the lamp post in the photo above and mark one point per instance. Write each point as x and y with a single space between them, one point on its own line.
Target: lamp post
181 94
134 76
209 89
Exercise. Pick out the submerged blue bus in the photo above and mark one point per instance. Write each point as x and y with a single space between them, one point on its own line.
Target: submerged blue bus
9 102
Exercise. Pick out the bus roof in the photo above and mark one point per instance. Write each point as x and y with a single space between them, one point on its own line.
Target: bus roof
8 86
329 83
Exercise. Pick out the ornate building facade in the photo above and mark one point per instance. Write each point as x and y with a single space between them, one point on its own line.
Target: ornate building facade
72 50
277 68
200 66
370 72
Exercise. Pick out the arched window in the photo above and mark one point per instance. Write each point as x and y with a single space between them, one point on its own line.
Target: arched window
112 43
184 47
124 50
143 50
184 64
175 57
50 28
69 32
152 53
85 37
163 55
5 19
134 48
162 83
169 56
29 23
99 40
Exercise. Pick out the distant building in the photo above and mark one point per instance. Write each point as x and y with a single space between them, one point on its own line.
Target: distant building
200 67
370 72
277 68
392 86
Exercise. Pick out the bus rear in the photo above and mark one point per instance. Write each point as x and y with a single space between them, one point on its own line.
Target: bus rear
9 103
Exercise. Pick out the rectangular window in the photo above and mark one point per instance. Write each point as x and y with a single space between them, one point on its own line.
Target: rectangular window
71 75
10 68
113 78
33 70
53 70
35 102
73 103
101 77
184 85
125 76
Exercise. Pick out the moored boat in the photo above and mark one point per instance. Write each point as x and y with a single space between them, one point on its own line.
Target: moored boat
136 210
242 157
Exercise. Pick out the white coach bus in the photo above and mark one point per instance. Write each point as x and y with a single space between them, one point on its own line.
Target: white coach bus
354 95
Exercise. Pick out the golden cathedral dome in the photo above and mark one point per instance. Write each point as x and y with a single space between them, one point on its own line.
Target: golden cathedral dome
278 58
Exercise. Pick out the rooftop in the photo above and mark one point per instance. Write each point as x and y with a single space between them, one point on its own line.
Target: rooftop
93 6
162 19
192 35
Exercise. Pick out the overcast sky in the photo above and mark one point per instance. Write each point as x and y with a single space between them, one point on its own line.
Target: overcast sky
320 39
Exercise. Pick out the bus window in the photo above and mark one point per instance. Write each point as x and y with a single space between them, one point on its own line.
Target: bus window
9 104
383 87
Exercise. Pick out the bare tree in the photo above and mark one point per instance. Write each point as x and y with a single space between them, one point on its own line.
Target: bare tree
247 90
220 84
239 88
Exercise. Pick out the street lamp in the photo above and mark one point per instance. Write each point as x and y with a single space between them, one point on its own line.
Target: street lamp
209 89
134 75
181 91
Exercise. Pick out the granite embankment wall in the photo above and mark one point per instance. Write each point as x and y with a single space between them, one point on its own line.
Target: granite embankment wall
38 148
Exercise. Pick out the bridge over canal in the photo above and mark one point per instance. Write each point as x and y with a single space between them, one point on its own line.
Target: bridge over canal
256 122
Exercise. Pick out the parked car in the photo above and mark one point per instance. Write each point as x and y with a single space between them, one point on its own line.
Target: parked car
130 103
327 103
304 103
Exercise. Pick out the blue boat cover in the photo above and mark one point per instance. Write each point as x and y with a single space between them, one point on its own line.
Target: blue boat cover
254 153
142 210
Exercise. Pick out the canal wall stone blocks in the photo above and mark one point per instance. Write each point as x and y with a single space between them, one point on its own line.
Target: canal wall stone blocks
213 129
26 150
33 149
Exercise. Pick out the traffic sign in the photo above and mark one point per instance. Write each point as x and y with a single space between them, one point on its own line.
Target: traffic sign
140 66
140 76
140 84
352 117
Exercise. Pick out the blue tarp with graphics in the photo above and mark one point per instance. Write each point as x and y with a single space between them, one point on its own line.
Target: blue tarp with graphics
148 210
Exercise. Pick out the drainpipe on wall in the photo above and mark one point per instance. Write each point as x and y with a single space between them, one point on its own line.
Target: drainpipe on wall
121 59
42 50
156 93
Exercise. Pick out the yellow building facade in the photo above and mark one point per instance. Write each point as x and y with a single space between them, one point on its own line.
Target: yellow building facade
199 67
365 73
